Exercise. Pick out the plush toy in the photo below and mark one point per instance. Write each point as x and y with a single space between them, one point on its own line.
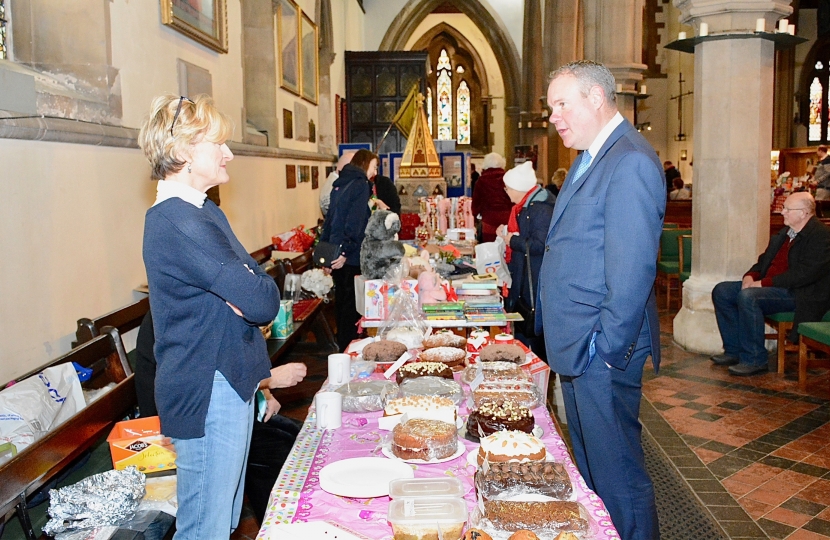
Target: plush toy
430 290
380 249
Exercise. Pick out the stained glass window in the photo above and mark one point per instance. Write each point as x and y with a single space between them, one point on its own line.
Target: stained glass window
463 96
429 109
4 53
814 128
444 60
444 95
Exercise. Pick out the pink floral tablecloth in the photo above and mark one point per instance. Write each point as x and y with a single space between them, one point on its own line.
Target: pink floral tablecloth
297 495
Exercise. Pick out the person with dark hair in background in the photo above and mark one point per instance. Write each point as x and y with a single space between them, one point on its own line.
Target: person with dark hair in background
345 226
473 178
671 173
387 193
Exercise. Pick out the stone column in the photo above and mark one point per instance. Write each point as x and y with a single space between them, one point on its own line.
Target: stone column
533 87
561 45
733 107
614 36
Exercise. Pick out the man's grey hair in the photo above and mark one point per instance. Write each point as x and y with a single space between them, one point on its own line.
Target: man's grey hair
589 74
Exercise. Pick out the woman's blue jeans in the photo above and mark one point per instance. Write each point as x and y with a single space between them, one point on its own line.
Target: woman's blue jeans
211 469
740 314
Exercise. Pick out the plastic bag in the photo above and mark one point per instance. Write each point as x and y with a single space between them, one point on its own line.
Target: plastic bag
292 289
490 260
404 312
295 240
32 407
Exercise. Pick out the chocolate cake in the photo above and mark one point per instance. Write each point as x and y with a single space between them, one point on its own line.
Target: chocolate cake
383 351
424 369
512 477
517 515
499 415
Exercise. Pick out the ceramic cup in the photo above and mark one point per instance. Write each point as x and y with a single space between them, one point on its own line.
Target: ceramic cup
329 410
339 368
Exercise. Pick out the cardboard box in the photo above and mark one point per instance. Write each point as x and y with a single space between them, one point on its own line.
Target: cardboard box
136 442
283 325
372 296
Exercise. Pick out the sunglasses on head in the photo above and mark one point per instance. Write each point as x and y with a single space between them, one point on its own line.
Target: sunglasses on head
178 110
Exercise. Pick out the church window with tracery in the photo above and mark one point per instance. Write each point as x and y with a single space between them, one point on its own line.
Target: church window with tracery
444 95
463 113
814 127
429 109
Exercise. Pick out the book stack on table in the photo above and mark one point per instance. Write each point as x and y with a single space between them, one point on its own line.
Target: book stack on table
444 311
482 301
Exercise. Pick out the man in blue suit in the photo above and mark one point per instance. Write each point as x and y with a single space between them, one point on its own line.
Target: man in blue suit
596 297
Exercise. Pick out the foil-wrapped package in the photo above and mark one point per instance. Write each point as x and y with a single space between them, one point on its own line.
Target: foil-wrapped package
108 498
432 386
365 396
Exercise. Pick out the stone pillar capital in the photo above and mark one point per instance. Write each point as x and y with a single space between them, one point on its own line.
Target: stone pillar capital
724 16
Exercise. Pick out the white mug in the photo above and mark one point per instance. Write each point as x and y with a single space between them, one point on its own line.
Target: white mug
339 368
328 406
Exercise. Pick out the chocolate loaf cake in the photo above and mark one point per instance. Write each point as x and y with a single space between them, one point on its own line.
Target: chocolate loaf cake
542 478
550 515
499 415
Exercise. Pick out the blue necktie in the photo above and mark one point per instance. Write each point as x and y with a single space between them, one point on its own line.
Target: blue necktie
584 163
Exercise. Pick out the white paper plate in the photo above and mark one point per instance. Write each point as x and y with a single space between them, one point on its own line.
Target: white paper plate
362 477
388 453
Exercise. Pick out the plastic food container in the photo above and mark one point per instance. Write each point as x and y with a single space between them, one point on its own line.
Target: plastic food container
431 488
419 519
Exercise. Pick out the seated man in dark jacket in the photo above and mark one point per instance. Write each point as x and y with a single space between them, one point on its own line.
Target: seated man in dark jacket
793 274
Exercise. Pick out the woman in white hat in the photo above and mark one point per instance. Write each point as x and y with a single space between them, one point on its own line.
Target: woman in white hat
525 234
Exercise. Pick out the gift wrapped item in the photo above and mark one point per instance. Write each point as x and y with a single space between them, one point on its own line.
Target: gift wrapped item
365 396
108 498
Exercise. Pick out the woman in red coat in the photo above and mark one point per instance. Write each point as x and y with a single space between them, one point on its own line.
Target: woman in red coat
489 199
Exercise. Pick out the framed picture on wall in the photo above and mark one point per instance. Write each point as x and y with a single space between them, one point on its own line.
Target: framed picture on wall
288 28
308 76
305 173
204 21
315 177
290 176
287 124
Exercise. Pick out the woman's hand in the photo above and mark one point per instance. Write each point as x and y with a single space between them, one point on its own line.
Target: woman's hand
380 204
501 230
287 375
236 310
338 263
272 406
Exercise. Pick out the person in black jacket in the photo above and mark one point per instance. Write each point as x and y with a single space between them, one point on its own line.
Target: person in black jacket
386 192
793 274
346 225
526 232
671 173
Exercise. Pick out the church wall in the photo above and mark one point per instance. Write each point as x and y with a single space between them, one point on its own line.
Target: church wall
495 81
74 214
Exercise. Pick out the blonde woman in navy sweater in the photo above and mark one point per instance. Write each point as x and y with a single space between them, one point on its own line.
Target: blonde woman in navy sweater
208 297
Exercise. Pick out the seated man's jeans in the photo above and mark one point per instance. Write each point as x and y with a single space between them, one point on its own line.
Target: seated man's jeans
740 315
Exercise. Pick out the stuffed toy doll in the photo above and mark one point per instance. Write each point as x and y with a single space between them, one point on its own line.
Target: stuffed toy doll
380 249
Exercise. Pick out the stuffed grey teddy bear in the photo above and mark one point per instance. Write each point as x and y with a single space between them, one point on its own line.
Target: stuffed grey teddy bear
380 248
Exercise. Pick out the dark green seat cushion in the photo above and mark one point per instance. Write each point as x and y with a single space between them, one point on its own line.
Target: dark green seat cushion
684 276
818 331
784 316
668 267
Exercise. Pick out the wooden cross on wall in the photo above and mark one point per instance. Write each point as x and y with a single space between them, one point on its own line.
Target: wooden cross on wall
679 97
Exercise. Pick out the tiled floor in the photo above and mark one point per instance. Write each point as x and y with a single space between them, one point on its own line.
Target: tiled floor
764 442
755 450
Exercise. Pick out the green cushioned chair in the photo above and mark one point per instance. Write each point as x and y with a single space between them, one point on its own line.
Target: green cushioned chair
782 323
816 336
684 248
668 260
671 225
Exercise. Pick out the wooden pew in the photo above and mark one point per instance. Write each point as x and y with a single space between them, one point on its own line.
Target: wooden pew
43 460
124 319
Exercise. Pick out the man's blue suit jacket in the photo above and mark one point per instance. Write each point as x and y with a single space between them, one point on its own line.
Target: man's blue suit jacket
601 257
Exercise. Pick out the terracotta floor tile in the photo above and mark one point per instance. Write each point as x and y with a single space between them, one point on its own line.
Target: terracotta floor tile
751 432
818 491
787 517
801 534
755 509
782 486
756 474
800 407
795 478
707 456
790 453
767 495
807 444
737 488
672 401
818 461
734 440
824 514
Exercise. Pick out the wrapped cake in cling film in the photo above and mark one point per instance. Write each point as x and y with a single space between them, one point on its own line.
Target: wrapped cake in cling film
108 498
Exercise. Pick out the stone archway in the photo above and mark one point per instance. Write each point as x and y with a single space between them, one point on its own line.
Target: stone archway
507 55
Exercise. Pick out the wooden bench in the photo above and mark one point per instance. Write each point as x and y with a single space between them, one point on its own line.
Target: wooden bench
43 460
